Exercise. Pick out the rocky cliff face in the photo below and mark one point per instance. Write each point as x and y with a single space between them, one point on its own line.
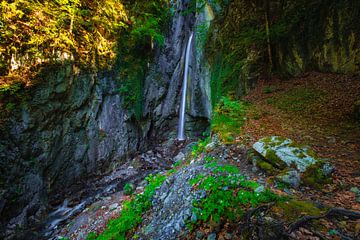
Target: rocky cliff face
72 126
287 38
324 37
163 84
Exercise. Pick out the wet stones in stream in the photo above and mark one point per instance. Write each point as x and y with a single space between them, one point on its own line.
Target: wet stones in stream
88 207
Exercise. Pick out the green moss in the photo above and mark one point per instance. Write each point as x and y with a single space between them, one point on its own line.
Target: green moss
267 167
315 177
297 100
293 209
272 158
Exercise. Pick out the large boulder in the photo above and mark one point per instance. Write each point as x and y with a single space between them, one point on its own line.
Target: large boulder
291 162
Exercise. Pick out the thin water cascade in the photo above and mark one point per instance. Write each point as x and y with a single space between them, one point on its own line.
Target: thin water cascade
181 129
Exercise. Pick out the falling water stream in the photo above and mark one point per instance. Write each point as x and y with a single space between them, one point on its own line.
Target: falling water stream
181 129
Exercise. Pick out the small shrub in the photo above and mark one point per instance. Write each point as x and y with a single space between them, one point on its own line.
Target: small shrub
228 118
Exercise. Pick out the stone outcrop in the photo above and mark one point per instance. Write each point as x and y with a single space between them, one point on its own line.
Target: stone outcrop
72 126
292 163
163 84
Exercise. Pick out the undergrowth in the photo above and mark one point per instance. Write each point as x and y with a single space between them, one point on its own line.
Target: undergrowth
199 147
228 195
132 212
228 118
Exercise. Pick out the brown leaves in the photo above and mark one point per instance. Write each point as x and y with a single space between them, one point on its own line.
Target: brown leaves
324 124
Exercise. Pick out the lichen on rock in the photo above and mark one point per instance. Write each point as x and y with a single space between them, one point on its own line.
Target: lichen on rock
284 152
293 163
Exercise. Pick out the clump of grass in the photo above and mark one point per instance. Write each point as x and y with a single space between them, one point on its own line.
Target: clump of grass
228 118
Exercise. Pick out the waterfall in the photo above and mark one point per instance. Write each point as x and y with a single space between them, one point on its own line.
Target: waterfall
181 129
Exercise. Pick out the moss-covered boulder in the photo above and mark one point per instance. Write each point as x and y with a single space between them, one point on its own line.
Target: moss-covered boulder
292 163
282 153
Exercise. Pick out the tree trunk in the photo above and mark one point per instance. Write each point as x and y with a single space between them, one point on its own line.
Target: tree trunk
267 26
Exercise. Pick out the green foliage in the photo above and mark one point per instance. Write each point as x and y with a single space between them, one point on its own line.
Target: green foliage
200 146
10 89
148 20
45 30
132 212
128 189
228 195
228 118
63 238
297 99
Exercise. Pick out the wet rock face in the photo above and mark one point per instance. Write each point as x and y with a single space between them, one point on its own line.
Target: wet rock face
164 82
72 126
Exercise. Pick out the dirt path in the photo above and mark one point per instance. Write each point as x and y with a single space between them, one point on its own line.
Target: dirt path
315 110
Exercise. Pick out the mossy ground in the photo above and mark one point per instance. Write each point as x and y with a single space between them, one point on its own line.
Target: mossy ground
228 118
293 209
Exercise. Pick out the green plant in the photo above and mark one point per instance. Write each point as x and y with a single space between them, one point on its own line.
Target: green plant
132 212
209 159
10 89
200 146
228 118
228 196
129 189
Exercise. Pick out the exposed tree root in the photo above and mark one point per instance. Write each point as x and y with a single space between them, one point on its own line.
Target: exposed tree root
333 212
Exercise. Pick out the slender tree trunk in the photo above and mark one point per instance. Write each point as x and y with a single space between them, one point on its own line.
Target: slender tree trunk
268 40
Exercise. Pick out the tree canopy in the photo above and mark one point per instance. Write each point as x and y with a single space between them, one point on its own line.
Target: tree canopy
83 31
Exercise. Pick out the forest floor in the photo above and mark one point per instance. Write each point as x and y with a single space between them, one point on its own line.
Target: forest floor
316 110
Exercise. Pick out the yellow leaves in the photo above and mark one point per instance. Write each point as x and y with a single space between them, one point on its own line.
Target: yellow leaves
41 28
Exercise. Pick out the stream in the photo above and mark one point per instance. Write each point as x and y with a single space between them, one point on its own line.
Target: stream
86 207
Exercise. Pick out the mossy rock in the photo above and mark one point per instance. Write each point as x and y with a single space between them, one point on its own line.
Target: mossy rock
274 159
267 167
282 153
315 176
290 178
